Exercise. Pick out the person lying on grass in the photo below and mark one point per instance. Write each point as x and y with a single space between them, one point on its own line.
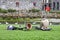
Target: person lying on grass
28 26
11 27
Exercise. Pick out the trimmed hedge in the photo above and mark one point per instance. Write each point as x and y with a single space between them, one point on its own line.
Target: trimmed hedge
13 20
34 10
11 10
55 12
6 11
3 11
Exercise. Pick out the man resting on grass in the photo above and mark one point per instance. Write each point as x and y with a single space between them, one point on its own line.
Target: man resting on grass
44 25
11 27
28 26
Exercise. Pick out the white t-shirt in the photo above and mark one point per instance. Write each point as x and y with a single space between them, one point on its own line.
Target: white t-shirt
45 22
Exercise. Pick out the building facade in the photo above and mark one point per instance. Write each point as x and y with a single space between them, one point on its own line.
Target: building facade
53 4
28 4
23 4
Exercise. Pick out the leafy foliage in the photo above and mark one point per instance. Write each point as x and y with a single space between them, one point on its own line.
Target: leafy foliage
12 20
11 10
3 11
6 11
34 10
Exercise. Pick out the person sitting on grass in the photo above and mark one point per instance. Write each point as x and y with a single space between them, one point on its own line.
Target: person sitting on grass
44 25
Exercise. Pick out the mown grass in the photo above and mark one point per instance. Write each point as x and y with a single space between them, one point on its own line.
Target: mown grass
54 34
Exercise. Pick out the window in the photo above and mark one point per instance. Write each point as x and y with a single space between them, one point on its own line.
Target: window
57 5
54 6
47 1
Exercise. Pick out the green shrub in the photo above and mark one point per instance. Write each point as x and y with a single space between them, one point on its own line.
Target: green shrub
0 8
11 10
12 20
34 10
1 18
3 11
27 19
58 12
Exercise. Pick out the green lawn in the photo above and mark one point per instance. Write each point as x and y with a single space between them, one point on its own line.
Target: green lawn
54 34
